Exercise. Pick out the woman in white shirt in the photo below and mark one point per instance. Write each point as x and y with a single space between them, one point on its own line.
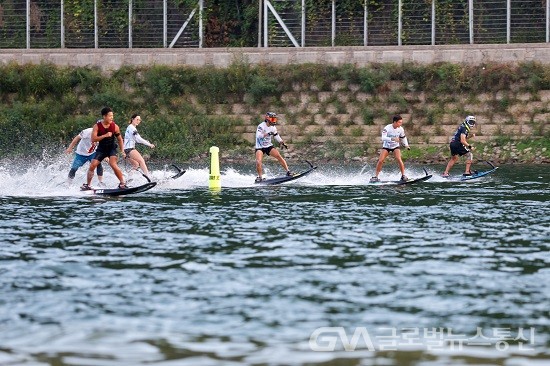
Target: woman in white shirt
393 135
131 137
265 131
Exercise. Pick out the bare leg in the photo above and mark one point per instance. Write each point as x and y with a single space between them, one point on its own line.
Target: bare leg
450 164
259 158
116 169
133 162
90 174
397 154
383 155
469 163
99 171
137 161
277 155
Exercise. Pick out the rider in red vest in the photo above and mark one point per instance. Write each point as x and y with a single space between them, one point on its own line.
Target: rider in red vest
106 133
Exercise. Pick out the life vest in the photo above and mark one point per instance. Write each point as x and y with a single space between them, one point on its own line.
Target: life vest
107 143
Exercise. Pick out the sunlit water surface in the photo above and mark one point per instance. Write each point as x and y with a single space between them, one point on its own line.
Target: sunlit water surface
431 274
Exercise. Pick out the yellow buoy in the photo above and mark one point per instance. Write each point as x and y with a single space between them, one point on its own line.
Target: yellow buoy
214 178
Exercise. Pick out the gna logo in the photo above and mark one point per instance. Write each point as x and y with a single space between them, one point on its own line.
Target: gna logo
328 339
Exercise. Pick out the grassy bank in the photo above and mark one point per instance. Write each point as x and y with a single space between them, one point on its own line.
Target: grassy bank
186 110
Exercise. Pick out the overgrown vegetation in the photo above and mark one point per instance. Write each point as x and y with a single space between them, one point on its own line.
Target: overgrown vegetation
45 106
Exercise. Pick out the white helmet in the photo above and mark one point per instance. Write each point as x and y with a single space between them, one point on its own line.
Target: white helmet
470 121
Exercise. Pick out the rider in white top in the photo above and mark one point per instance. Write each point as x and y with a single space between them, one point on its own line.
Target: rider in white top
264 133
393 136
389 135
85 151
85 145
131 137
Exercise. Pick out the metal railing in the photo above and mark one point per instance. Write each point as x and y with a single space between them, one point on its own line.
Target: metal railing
96 24
281 23
292 23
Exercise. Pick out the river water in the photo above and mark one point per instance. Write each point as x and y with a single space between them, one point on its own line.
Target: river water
325 270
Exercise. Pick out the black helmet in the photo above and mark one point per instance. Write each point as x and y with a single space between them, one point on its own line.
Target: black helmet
271 118
470 121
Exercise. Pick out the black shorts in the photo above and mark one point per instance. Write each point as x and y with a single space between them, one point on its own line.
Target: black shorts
127 151
457 149
390 150
266 150
101 154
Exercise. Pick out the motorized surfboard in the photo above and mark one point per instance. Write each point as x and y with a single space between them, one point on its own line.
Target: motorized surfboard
403 182
475 174
279 180
120 191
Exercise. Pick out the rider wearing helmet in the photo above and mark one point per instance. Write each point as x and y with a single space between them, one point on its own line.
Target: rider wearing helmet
470 121
459 145
265 131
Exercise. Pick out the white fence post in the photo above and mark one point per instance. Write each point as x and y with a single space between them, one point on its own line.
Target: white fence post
508 20
399 22
164 23
260 6
433 22
365 23
28 25
303 23
333 23
201 9
96 39
62 30
130 24
471 20
265 24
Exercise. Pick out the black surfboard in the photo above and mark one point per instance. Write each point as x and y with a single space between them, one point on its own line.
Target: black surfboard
120 191
279 180
403 182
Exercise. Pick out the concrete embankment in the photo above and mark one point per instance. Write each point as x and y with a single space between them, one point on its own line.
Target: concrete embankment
342 120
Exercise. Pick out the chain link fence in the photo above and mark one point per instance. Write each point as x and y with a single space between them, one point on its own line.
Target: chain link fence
280 23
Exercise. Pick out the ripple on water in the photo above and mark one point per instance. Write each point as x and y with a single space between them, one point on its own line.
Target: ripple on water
247 275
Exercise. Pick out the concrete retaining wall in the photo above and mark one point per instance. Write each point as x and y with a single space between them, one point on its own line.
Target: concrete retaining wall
112 59
319 122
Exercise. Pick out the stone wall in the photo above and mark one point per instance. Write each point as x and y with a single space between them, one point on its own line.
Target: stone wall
310 118
110 59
